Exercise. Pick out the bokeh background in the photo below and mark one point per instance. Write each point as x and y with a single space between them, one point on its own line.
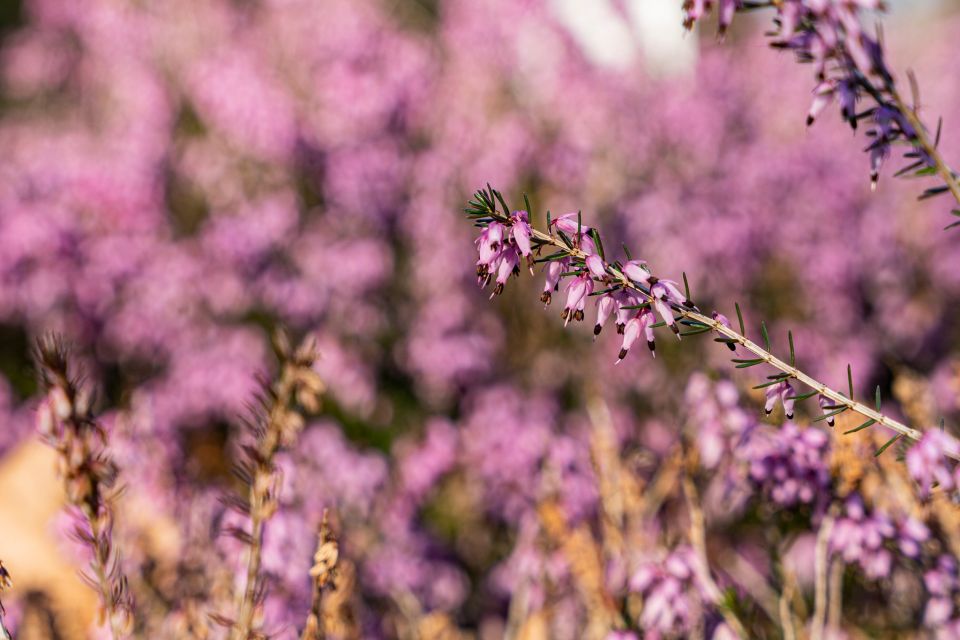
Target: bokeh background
178 177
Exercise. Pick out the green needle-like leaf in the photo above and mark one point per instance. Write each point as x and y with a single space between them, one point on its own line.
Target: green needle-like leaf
868 423
827 416
743 330
887 444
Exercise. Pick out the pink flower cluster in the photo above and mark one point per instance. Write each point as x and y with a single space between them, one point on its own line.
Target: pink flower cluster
501 245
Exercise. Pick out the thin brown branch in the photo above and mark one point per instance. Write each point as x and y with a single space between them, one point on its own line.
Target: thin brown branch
296 386
698 540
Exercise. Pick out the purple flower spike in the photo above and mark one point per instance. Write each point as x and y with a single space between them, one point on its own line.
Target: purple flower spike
928 464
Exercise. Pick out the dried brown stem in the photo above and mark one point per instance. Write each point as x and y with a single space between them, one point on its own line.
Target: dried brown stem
278 426
698 540
66 423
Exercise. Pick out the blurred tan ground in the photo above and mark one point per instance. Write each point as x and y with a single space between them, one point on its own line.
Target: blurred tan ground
30 498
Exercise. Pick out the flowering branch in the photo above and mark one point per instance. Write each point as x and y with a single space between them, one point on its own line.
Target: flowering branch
632 294
66 423
276 427
849 64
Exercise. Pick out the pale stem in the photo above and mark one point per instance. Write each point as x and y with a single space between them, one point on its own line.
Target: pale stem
821 562
699 542
103 581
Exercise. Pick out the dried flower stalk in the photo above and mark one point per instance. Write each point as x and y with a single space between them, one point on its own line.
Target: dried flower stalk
698 540
323 573
66 422
5 583
276 426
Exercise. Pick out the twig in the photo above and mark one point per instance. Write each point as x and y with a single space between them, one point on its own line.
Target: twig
752 582
821 563
5 583
66 423
277 427
322 572
835 608
786 617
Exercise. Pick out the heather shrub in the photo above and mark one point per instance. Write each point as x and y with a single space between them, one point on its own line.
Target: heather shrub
279 405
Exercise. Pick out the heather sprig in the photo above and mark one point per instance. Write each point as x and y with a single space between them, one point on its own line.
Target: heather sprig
66 422
642 302
849 65
275 425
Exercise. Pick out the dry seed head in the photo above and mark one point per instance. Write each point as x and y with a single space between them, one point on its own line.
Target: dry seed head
325 559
